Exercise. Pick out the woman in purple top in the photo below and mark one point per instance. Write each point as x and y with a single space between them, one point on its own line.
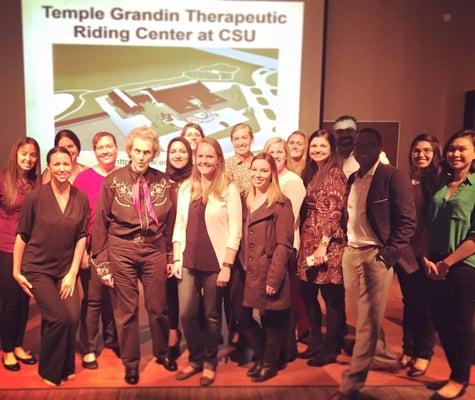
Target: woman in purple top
16 180
96 302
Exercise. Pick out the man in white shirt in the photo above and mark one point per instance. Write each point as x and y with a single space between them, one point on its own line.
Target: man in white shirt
381 219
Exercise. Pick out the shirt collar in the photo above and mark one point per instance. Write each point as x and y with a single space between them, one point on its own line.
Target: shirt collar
370 172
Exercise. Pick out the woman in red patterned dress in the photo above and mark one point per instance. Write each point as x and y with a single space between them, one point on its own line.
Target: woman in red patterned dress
321 249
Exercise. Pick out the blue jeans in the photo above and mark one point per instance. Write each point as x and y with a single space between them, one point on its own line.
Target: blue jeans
202 344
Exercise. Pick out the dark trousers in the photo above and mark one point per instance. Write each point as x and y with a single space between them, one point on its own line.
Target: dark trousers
453 305
267 340
334 297
202 343
172 302
289 350
59 323
131 262
96 305
14 306
418 330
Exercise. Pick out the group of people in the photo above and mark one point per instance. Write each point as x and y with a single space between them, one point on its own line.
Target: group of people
262 234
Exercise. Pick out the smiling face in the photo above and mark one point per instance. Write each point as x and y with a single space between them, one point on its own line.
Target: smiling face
193 136
366 150
297 146
242 140
60 166
319 149
26 157
461 153
206 160
106 151
70 146
422 154
278 153
141 155
178 155
261 174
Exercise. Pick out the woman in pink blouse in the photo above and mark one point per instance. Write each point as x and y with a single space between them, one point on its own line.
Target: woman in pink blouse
16 180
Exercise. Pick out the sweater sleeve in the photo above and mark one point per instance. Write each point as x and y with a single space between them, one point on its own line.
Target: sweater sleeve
234 207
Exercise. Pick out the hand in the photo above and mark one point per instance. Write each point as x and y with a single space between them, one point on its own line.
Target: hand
169 270
85 263
431 269
24 284
223 277
68 284
108 280
320 255
443 268
270 291
177 269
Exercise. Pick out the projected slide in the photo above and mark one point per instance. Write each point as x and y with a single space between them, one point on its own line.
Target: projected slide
123 64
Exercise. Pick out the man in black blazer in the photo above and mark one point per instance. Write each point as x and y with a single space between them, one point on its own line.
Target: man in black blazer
380 220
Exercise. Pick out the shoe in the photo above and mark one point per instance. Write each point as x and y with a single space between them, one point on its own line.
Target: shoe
437 396
167 361
11 367
254 370
309 353
207 380
321 360
436 385
182 375
414 372
392 368
131 375
28 361
266 372
405 361
90 364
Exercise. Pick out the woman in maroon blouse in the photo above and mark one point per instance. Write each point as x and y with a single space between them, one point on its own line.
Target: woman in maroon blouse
321 249
50 242
16 180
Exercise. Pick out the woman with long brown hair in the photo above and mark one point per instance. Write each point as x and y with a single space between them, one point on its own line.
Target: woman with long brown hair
205 243
18 178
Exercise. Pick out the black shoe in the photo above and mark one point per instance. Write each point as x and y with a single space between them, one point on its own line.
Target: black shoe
90 364
322 359
206 381
131 375
175 351
28 361
265 373
436 385
308 353
11 367
254 370
437 396
167 361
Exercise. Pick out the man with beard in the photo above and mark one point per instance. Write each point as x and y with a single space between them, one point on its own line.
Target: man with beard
345 128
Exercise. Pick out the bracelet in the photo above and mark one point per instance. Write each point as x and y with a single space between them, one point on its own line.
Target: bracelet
324 243
227 265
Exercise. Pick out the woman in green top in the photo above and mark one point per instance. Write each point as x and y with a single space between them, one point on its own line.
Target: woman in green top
451 262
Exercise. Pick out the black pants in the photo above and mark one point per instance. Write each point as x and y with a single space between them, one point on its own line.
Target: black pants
14 306
418 330
172 302
453 305
59 323
131 262
289 350
334 297
96 305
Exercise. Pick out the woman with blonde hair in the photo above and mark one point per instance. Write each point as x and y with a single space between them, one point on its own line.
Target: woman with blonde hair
205 242
264 255
298 145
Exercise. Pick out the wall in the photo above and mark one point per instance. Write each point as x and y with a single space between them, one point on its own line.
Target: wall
385 60
398 60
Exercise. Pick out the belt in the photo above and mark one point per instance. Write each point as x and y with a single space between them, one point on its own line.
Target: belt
139 239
